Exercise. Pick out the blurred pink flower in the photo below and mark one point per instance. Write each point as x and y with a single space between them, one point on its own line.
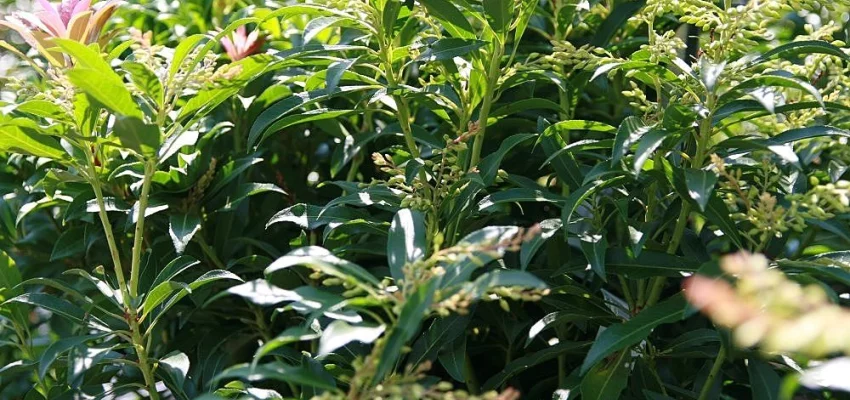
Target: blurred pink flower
77 20
239 45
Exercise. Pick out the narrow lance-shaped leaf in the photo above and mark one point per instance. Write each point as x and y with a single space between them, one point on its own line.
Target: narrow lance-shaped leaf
700 185
620 336
406 242
182 228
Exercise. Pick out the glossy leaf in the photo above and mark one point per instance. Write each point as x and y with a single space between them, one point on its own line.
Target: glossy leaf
406 242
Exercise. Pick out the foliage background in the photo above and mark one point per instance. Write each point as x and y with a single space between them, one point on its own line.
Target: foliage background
569 230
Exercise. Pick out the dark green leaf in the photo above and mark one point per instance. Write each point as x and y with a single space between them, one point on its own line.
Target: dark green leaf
449 48
452 19
621 336
406 242
181 228
764 381
700 185
412 313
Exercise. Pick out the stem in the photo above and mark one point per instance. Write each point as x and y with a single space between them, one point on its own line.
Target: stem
130 309
142 353
107 227
139 234
712 375
702 141
492 79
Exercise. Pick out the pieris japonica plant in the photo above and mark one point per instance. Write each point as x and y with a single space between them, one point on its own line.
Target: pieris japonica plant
430 199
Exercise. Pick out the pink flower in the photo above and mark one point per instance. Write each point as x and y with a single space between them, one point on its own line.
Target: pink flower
72 19
238 45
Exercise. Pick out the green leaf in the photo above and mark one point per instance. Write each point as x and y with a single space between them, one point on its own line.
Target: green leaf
108 90
700 185
517 195
578 125
312 217
318 24
267 122
406 242
441 333
526 12
182 228
321 259
209 277
608 379
692 339
449 48
777 79
261 292
594 248
531 360
764 381
335 72
136 135
530 247
646 146
621 336
207 99
244 191
389 16
578 197
183 49
489 166
802 47
15 140
175 368
451 19
56 305
159 294
504 278
615 20
290 335
453 359
499 14
718 214
415 308
320 114
797 134
648 264
279 371
629 133
340 333
44 109
145 80
229 172
57 348
174 268
71 243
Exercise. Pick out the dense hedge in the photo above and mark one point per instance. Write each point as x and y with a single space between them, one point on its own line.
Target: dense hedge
430 199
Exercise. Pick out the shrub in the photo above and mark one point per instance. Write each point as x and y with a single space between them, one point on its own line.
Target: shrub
377 199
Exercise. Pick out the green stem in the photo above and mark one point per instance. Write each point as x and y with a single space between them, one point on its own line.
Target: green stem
107 227
712 375
132 313
139 234
144 362
495 69
702 143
